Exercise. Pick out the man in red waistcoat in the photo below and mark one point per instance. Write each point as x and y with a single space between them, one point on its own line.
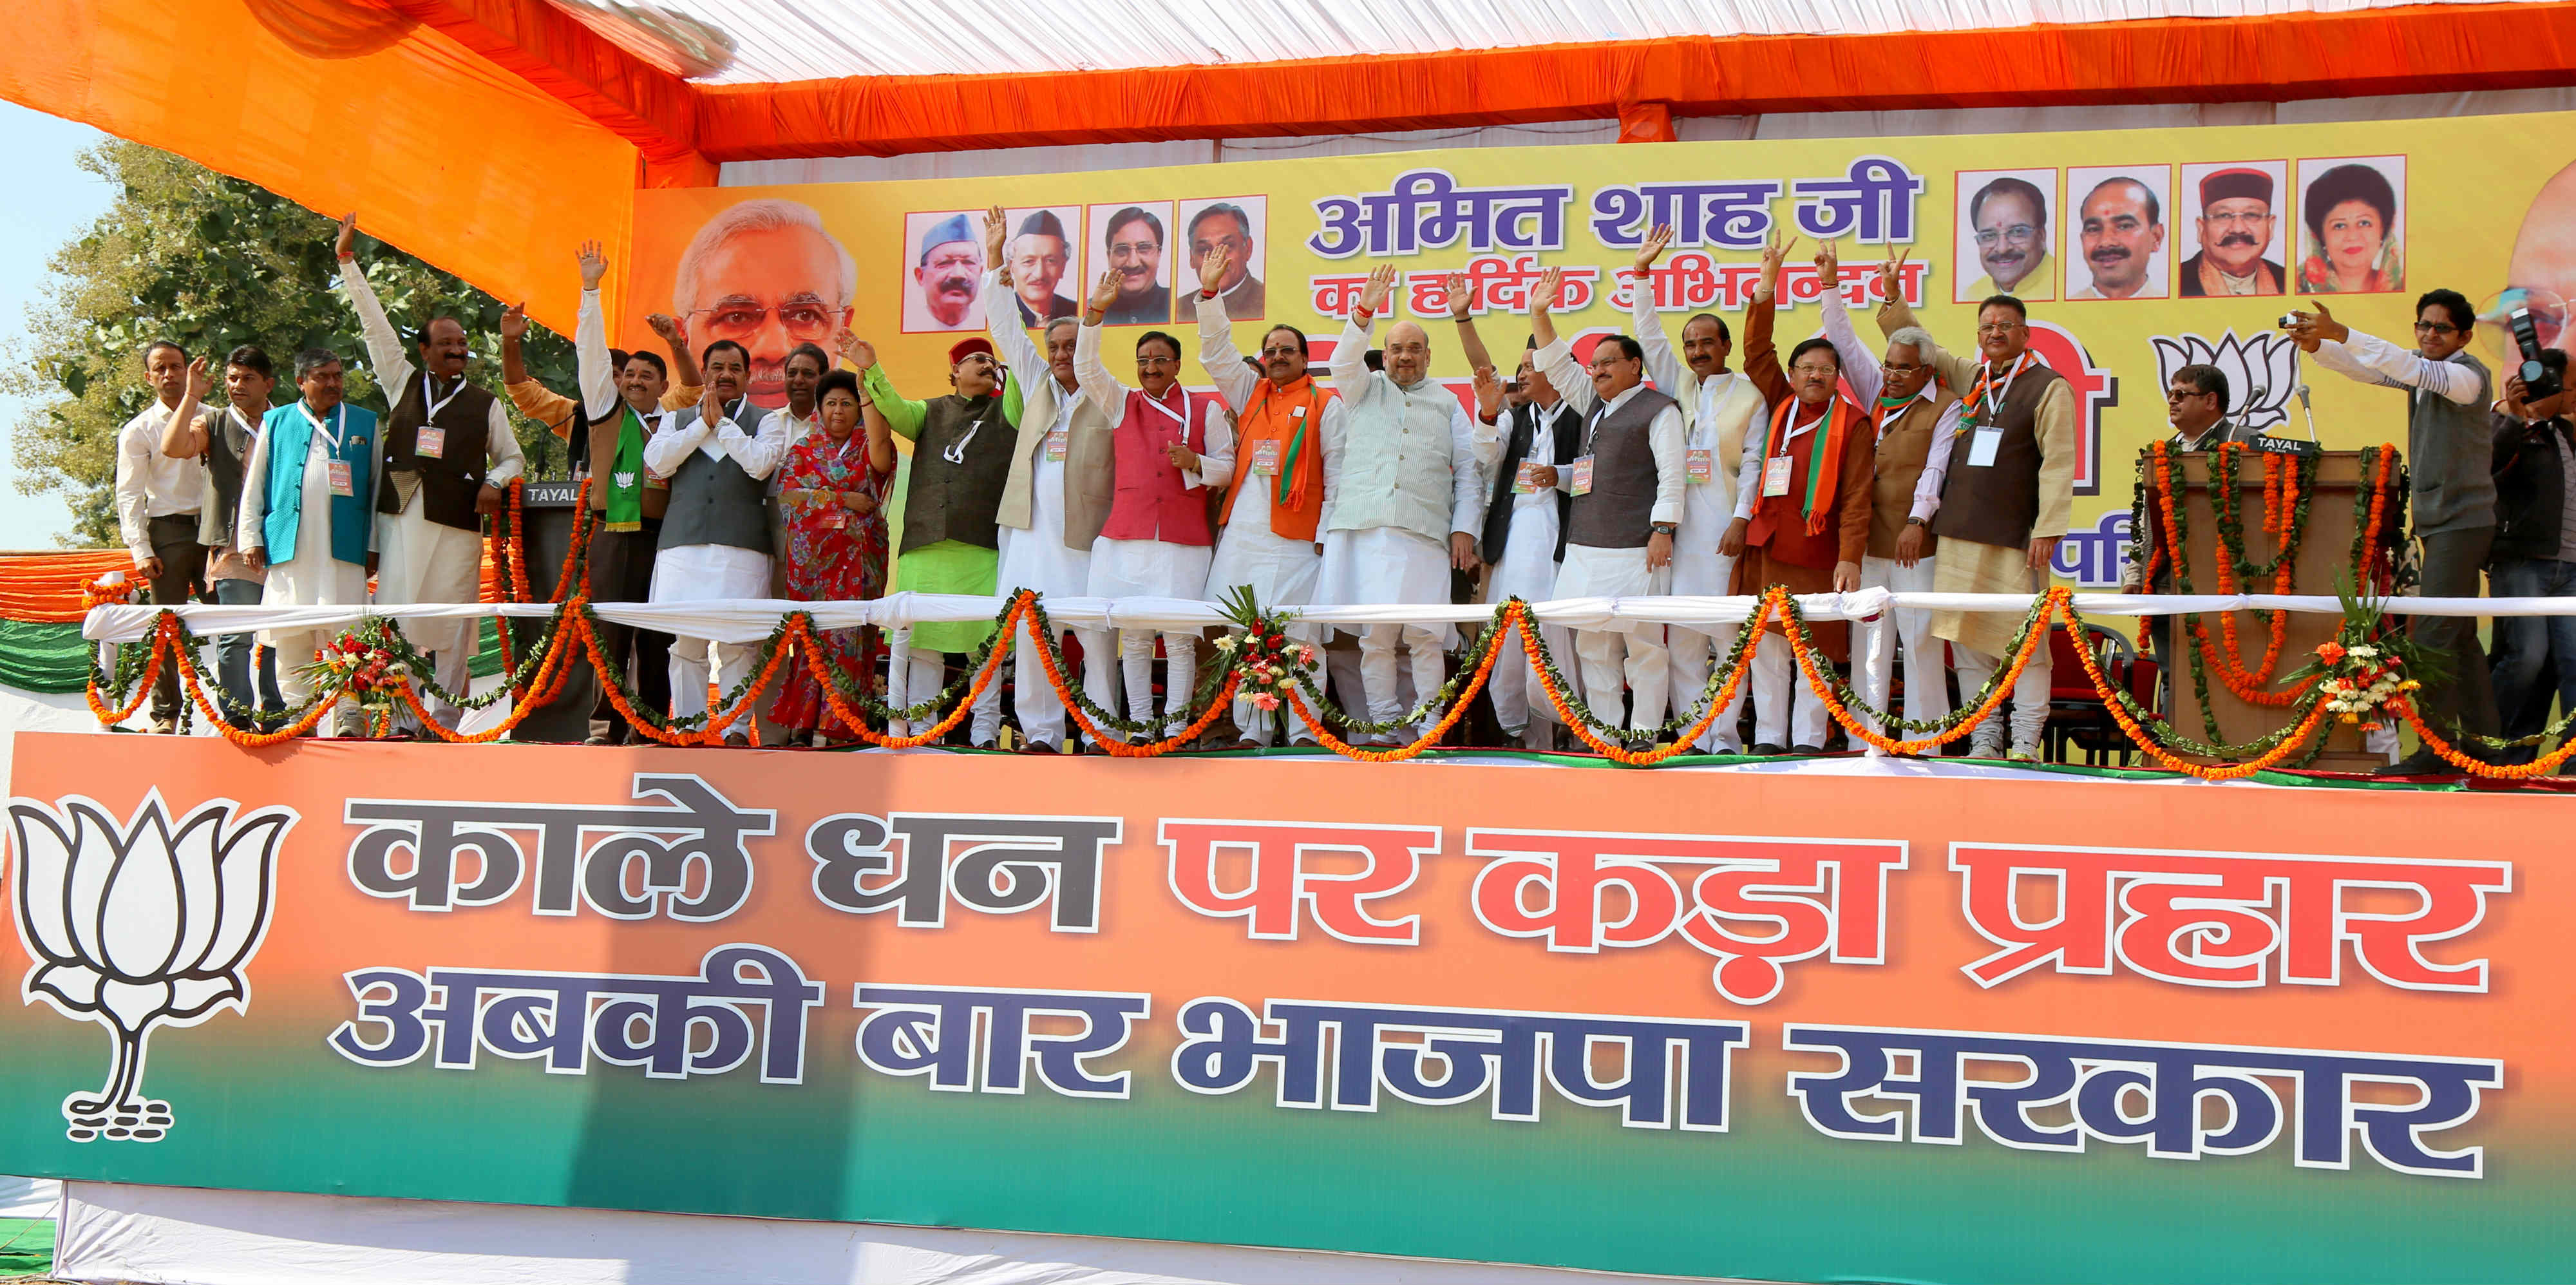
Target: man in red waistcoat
1158 542
1802 506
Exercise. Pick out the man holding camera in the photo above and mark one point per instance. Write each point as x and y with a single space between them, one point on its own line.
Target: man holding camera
2449 453
2535 547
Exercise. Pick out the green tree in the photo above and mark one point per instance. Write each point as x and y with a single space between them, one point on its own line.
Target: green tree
212 262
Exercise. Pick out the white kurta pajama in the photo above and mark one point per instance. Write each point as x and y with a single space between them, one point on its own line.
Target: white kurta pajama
312 578
1528 572
1281 572
1035 557
419 560
1595 572
1927 669
1368 557
711 572
1154 568
1698 569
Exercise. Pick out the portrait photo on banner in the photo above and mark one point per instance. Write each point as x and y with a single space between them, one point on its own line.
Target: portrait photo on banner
2352 225
2004 235
1240 224
754 261
1133 239
1043 247
2115 232
2234 229
943 270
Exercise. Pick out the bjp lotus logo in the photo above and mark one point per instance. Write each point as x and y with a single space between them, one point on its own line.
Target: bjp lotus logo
138 926
2262 371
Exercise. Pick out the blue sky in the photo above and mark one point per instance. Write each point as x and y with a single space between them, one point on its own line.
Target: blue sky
54 201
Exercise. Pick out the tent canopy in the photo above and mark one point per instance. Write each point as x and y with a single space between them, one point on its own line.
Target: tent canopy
493 136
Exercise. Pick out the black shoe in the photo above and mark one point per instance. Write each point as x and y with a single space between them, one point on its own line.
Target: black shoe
1766 750
1641 745
1806 749
601 739
1037 747
2422 762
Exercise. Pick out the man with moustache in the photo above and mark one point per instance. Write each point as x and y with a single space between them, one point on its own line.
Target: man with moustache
159 502
2123 230
715 533
1718 405
308 517
2235 226
1535 433
949 271
1056 497
1039 254
2011 221
1225 226
1135 246
449 458
2196 406
1409 501
220 438
764 274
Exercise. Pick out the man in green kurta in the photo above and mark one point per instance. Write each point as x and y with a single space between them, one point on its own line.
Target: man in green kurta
961 457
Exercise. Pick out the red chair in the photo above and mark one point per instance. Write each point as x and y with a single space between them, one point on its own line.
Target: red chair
2078 716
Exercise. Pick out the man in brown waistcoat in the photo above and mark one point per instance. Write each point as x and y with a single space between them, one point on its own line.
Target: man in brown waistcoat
448 456
1802 505
2004 503
1913 420
1626 480
619 412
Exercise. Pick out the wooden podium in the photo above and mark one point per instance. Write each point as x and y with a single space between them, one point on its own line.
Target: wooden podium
2324 557
546 519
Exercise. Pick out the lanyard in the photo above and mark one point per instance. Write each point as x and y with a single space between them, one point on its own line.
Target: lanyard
439 403
1177 417
1993 397
339 416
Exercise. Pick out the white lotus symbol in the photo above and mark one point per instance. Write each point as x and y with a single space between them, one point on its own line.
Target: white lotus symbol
2262 371
141 925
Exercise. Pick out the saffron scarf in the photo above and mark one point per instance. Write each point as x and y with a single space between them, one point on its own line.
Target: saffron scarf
1824 456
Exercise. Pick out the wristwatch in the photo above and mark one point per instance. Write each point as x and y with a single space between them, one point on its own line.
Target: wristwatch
1663 528
1916 522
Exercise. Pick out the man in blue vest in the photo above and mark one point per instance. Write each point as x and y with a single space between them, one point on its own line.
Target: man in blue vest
308 515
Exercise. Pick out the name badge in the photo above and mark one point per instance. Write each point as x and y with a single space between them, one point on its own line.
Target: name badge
340 481
1583 475
1775 475
1525 482
1981 447
1265 458
1699 464
431 442
1055 443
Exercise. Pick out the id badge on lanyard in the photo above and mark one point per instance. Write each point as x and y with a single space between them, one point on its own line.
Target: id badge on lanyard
341 482
1775 475
1265 458
1699 465
1982 445
1056 444
430 442
1583 475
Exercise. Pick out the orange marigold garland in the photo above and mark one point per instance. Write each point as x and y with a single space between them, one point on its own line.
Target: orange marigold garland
1774 601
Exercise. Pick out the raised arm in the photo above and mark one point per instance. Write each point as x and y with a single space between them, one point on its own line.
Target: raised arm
1555 358
1090 374
1218 356
1860 365
687 385
590 338
1002 323
534 400
384 344
903 417
1661 365
1958 374
1462 311
1350 355
1761 355
2373 360
184 436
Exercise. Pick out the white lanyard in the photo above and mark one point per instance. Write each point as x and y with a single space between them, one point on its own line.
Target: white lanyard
1994 397
1177 417
426 394
339 415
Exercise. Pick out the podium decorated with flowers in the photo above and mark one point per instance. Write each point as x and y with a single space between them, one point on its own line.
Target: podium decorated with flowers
2266 521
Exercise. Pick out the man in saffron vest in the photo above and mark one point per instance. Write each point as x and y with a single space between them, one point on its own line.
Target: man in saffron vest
1802 518
1282 476
1626 481
962 448
1409 478
308 516
449 456
2005 501
619 412
1056 498
1525 516
1157 542
1913 422
715 534
1718 408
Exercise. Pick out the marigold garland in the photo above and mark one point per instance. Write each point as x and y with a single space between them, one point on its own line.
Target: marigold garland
2035 636
1773 600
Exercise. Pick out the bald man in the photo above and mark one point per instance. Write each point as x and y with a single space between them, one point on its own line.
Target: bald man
1409 501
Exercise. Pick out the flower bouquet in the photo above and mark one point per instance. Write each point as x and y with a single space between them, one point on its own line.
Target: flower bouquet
1267 660
359 665
2369 673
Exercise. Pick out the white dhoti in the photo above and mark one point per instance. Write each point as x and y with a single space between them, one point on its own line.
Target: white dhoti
706 573
1593 572
1280 572
1692 653
1528 572
1927 673
1389 565
420 561
1038 559
1152 569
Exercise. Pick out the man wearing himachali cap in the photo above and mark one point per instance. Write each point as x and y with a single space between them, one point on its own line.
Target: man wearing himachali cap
2236 223
949 271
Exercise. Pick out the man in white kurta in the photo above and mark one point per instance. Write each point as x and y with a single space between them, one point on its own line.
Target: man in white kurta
1532 534
1281 570
423 560
715 536
1616 380
1409 477
1153 568
1038 556
1718 405
313 577
158 498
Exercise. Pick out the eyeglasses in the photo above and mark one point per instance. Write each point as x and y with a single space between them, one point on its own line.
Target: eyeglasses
2016 232
806 318
2435 328
1892 370
2001 327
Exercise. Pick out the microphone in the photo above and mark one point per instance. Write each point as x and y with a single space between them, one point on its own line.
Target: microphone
2308 408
